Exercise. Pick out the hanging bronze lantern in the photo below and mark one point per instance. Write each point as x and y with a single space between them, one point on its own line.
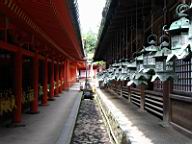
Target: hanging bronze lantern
148 54
122 71
111 71
139 77
179 31
164 71
145 63
139 60
132 67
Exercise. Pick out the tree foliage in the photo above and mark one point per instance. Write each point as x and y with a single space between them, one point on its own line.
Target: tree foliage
90 42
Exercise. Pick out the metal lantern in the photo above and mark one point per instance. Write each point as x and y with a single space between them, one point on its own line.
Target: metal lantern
132 67
124 73
163 70
139 77
145 63
140 68
121 72
139 60
148 54
179 31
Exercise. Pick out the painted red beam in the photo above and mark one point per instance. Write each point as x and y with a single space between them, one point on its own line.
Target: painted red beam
9 26
12 48
8 47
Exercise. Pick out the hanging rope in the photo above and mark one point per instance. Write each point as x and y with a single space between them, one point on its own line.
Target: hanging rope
120 42
165 12
131 35
117 46
126 37
136 42
152 5
164 15
113 49
143 18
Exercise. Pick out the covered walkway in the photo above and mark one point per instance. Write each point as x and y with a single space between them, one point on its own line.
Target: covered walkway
48 126
139 126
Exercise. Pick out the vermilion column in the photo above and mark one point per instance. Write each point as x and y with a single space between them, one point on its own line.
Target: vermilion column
45 81
34 106
18 87
63 76
57 79
52 82
67 77
60 78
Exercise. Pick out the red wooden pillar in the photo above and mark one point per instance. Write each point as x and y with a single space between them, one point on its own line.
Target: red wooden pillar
64 76
45 82
60 78
57 79
52 82
34 106
18 87
67 77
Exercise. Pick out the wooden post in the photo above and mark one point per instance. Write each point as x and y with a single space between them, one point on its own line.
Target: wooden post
67 76
34 106
121 89
57 79
60 78
63 71
142 100
166 102
52 82
45 82
129 91
18 87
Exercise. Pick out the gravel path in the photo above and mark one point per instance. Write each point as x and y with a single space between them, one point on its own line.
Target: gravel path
90 128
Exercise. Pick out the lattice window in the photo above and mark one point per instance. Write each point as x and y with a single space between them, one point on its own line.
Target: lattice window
184 71
158 85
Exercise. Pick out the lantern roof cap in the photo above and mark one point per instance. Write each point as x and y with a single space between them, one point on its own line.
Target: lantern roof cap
137 82
151 48
164 76
182 53
164 44
139 58
181 23
132 64
150 70
164 52
141 76
152 42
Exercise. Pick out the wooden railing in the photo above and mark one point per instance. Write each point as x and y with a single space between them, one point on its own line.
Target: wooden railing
135 96
154 102
125 92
